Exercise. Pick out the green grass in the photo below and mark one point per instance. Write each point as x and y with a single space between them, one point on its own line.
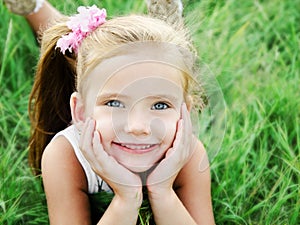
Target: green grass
252 48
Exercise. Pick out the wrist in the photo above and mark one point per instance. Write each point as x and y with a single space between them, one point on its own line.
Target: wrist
159 193
123 209
161 188
133 197
162 201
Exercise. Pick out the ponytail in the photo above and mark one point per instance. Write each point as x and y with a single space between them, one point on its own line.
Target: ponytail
49 102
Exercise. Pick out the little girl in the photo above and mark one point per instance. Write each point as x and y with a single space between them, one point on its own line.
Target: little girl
110 110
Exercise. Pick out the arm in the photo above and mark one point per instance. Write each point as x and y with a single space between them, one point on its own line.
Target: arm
66 190
194 187
65 184
185 168
41 18
191 204
120 211
125 205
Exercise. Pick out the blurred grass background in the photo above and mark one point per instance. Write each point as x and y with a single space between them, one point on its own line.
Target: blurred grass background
252 48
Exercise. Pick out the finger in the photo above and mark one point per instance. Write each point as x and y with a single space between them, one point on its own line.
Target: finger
98 153
191 140
187 126
179 134
109 168
175 153
83 133
98 158
176 156
86 146
164 171
98 148
171 164
101 162
185 114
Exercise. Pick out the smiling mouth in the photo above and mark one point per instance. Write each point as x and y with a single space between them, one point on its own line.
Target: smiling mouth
136 148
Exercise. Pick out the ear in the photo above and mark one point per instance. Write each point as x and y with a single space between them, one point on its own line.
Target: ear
189 102
77 109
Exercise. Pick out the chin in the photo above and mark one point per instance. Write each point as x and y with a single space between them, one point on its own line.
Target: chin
138 169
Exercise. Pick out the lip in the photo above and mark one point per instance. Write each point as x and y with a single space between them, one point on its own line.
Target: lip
135 148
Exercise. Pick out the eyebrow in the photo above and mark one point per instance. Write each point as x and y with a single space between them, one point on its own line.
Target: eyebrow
164 96
110 96
116 95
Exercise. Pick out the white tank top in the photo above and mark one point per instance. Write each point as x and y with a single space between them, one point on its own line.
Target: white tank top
95 183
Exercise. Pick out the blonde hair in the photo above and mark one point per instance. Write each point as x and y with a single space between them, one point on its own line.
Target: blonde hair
107 41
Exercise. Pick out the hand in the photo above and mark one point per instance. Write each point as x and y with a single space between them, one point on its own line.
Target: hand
121 180
163 176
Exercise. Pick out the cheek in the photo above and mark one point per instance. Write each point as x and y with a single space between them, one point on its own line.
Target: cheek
164 129
108 119
104 125
109 123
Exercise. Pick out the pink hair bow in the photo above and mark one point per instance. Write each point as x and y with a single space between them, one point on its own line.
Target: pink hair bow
82 24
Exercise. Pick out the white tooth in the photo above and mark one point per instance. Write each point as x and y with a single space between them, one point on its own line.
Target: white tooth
136 147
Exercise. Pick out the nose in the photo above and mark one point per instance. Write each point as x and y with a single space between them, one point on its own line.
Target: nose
138 123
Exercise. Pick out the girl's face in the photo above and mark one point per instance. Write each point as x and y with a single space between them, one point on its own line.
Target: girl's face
136 111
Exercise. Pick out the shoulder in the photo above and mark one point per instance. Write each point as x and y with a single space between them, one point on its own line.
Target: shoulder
56 151
60 152
59 160
65 184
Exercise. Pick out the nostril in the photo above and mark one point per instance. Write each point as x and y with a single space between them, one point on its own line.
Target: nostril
138 128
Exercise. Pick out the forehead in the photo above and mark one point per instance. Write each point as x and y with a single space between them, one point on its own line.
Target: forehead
148 77
130 75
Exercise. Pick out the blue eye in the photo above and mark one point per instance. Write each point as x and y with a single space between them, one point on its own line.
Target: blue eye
115 103
160 106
